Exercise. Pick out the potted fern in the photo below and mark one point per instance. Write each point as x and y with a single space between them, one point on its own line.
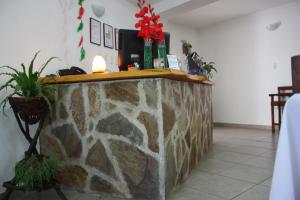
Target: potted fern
28 95
30 100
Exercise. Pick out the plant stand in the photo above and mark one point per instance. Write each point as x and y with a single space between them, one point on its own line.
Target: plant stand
30 112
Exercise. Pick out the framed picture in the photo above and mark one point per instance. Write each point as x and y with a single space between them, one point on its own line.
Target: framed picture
95 31
108 36
116 39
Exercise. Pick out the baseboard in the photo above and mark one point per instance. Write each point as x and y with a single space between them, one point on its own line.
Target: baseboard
247 126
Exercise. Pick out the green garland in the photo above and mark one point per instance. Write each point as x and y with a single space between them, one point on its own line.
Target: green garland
80 29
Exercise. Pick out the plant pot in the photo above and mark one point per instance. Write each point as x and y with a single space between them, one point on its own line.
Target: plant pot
30 110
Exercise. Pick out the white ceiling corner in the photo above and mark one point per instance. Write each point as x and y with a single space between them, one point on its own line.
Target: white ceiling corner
222 10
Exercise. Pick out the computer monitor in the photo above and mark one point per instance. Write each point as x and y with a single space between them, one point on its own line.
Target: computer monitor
131 48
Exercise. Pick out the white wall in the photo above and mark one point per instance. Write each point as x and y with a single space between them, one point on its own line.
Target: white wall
251 62
49 26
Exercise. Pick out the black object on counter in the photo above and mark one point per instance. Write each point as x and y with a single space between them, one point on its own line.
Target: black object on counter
71 71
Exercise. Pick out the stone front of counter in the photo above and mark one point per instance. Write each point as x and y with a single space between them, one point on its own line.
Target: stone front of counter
135 138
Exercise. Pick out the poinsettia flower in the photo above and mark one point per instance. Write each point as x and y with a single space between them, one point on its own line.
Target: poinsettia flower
146 10
148 23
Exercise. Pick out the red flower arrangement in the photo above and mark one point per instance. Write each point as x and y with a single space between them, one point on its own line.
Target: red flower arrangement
150 27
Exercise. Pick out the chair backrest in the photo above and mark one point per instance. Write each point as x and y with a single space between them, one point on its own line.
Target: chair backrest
285 90
296 73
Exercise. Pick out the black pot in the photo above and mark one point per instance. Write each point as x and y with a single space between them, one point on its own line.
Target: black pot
30 110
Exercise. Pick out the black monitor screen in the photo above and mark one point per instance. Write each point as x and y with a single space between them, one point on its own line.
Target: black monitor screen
131 48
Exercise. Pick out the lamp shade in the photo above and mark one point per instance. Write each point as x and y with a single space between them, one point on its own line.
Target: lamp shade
99 65
98 8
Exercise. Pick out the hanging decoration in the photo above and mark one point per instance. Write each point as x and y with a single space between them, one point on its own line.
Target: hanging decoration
80 30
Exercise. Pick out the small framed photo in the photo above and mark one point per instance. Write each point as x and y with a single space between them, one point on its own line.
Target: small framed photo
116 39
95 31
173 62
108 36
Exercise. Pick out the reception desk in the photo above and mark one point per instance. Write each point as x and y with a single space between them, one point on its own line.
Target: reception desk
137 134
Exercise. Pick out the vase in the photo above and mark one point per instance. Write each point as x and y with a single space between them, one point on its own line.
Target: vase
30 110
148 63
162 54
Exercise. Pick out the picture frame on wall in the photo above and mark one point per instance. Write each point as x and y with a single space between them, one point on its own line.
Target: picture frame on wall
95 31
116 39
108 33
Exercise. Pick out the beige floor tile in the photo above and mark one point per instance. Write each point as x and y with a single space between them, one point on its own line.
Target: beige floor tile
214 166
250 150
269 154
247 173
266 163
256 193
223 187
232 157
191 194
196 178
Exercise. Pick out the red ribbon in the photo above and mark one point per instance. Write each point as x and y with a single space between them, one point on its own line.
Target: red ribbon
81 13
80 42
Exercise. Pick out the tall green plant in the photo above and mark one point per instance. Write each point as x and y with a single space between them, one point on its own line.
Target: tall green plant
35 172
209 69
26 83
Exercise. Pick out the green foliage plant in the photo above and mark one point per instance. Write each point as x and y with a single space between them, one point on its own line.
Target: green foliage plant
209 69
36 172
26 83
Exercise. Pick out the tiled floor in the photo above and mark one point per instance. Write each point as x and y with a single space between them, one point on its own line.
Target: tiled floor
239 167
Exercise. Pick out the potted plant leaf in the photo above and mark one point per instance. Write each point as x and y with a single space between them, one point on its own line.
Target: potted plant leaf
208 69
30 100
36 172
28 94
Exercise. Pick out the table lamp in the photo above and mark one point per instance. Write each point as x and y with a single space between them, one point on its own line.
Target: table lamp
99 65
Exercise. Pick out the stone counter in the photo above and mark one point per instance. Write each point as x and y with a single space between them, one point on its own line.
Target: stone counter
136 138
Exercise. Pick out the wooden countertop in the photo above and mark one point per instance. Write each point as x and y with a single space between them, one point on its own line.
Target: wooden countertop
124 75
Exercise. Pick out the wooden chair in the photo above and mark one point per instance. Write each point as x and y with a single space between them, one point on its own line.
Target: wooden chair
278 100
296 73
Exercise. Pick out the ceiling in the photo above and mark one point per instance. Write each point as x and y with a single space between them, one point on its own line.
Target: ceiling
201 13
221 10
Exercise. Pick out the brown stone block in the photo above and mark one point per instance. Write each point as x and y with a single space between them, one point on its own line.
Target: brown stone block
149 187
98 158
123 91
171 172
101 185
69 139
51 147
169 119
151 92
188 138
94 100
77 107
184 170
193 155
117 124
72 176
150 123
131 160
63 113
178 154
